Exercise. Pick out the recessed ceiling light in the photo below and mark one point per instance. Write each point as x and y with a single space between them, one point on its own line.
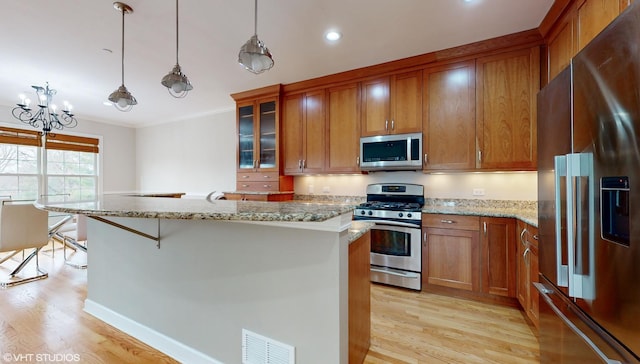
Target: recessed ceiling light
333 35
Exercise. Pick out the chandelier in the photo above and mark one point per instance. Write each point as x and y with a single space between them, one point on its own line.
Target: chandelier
45 116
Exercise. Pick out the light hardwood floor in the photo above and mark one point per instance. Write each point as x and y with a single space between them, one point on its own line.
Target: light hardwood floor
46 317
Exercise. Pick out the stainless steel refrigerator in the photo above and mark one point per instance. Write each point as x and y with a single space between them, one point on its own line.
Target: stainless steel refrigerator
589 202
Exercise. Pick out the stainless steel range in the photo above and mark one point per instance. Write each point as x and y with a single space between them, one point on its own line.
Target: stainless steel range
396 239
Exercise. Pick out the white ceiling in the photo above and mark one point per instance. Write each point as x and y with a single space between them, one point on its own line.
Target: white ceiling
63 42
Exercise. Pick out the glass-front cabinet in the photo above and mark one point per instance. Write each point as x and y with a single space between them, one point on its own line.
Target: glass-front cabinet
257 135
259 176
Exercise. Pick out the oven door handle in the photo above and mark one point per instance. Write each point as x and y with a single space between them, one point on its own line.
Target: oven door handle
392 223
410 275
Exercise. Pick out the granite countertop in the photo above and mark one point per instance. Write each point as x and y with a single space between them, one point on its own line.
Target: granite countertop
358 228
200 209
523 210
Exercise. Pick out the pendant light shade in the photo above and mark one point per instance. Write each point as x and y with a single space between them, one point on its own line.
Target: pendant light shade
254 56
175 81
121 98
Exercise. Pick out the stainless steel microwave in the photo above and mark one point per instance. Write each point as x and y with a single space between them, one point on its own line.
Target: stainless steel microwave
391 152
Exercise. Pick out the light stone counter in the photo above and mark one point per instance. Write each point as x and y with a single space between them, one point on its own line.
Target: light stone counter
200 209
523 210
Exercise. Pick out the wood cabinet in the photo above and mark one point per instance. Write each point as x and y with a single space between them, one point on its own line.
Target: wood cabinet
258 141
506 89
498 258
392 104
343 134
304 132
473 255
451 248
359 298
582 21
248 196
527 268
449 123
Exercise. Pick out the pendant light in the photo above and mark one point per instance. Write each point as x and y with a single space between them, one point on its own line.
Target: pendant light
121 98
254 55
175 81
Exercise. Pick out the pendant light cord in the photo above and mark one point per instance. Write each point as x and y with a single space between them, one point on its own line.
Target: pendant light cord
255 19
177 32
122 53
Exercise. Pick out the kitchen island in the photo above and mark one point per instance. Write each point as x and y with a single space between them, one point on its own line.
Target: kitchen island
189 276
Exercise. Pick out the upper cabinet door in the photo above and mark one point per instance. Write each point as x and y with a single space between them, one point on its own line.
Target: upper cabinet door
506 88
292 121
304 133
246 136
267 131
406 103
392 105
594 16
449 125
343 133
375 107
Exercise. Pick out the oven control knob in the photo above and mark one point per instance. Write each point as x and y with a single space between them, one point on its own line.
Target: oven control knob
409 215
400 214
370 212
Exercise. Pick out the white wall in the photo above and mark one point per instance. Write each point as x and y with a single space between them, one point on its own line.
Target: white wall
118 169
496 185
196 156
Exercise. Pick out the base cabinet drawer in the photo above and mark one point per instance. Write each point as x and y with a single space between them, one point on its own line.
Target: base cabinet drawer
460 222
258 186
259 196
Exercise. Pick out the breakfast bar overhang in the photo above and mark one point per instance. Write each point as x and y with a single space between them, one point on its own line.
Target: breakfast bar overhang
279 270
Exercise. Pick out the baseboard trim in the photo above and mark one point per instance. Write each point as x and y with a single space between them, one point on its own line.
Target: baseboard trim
163 343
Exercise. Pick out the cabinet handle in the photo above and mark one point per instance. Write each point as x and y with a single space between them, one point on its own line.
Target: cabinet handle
357 161
479 156
266 176
524 255
524 231
245 186
426 159
245 176
304 163
267 186
484 227
299 164
447 221
386 125
535 237
393 127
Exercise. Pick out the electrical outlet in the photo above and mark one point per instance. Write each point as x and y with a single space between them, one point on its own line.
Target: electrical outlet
326 189
310 189
478 191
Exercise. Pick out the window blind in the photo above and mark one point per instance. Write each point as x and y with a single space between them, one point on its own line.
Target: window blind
71 142
20 137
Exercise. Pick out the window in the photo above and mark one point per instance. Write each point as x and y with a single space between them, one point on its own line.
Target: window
66 169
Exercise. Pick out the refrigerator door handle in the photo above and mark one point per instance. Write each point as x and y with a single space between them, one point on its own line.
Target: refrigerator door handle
560 170
544 293
580 165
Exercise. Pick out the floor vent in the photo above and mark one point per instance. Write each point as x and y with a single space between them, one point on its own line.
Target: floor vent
257 349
